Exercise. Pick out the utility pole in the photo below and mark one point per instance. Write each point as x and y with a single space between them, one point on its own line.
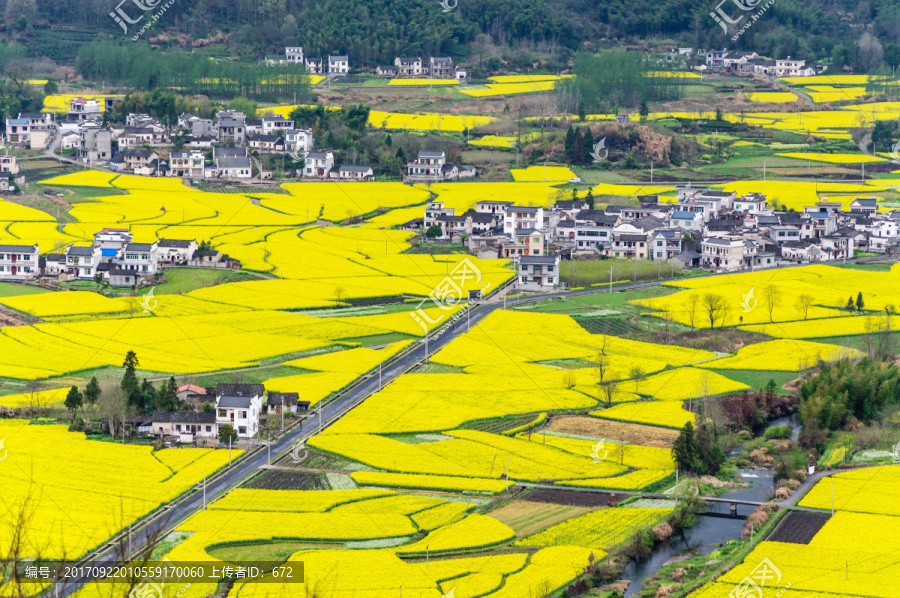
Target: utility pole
282 413
379 376
229 452
204 493
320 419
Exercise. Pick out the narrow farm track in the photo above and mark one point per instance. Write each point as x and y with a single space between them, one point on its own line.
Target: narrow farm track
171 515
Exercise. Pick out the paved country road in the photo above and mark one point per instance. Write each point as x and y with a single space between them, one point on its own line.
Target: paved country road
173 515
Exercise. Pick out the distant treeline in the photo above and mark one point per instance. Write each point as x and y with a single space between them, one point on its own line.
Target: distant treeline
135 65
375 31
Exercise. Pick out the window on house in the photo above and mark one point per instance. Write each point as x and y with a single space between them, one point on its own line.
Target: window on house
209 428
223 413
243 415
242 429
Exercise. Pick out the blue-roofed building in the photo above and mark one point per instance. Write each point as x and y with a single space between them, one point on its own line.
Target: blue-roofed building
689 221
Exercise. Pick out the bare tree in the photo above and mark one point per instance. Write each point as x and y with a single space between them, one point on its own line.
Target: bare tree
691 304
570 379
638 375
870 53
803 303
714 306
772 295
609 387
113 405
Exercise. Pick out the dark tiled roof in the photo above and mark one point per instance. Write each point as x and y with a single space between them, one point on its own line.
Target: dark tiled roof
240 390
139 247
275 398
174 243
17 248
233 402
537 260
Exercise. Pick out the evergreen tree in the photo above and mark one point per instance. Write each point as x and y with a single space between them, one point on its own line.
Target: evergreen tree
684 450
574 194
570 144
129 383
73 400
589 198
401 156
860 304
388 141
579 145
92 391
850 303
587 147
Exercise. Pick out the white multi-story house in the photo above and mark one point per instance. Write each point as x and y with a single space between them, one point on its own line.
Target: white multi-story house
239 405
433 210
315 66
716 58
793 68
187 165
338 65
111 241
752 203
294 55
19 261
427 166
519 217
490 206
410 66
540 273
298 141
82 262
142 258
666 243
276 125
318 164
82 110
9 165
722 253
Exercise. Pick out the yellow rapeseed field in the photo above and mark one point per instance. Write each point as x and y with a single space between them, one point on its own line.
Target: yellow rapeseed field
76 493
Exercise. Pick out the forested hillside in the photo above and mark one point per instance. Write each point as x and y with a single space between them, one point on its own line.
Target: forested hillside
374 31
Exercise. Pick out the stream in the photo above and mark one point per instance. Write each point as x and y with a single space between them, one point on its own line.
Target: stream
716 526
